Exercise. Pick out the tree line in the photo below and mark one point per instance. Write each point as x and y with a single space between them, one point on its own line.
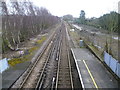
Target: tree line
107 21
21 21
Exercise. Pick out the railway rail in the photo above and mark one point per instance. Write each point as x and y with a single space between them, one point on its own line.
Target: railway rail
32 78
64 74
52 68
46 79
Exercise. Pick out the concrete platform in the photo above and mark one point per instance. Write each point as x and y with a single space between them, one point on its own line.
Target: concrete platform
91 71
9 76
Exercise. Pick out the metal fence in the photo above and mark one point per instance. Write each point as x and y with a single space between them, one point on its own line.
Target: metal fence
112 63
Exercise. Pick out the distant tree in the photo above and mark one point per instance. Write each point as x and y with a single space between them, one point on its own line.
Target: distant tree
68 17
109 21
82 14
82 17
93 22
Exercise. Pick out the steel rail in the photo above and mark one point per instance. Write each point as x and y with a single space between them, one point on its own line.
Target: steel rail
38 58
70 69
68 38
69 64
58 66
42 76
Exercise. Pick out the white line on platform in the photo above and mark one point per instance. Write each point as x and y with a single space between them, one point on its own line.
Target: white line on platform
78 70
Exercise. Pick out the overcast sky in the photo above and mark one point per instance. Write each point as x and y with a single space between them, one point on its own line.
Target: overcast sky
92 8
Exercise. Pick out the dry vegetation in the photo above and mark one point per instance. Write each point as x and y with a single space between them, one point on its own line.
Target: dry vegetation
28 53
22 21
99 42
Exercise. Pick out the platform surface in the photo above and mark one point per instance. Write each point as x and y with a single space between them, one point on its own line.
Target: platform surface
92 72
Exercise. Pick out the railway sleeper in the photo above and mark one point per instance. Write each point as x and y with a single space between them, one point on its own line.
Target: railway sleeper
61 68
64 85
66 79
64 73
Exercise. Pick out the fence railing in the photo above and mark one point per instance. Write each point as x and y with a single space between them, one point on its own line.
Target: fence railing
112 63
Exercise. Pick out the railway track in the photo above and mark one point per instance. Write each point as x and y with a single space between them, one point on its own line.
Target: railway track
52 68
34 71
58 68
64 74
47 79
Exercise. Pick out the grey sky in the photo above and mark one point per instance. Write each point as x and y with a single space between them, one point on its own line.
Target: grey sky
93 8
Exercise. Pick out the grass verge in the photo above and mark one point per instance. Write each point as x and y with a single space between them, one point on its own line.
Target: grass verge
31 53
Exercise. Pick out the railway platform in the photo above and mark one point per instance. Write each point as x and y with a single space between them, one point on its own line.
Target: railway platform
92 73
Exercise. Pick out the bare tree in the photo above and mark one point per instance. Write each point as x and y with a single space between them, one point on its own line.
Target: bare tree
22 21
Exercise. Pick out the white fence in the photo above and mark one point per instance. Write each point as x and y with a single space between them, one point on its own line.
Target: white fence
3 65
112 63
